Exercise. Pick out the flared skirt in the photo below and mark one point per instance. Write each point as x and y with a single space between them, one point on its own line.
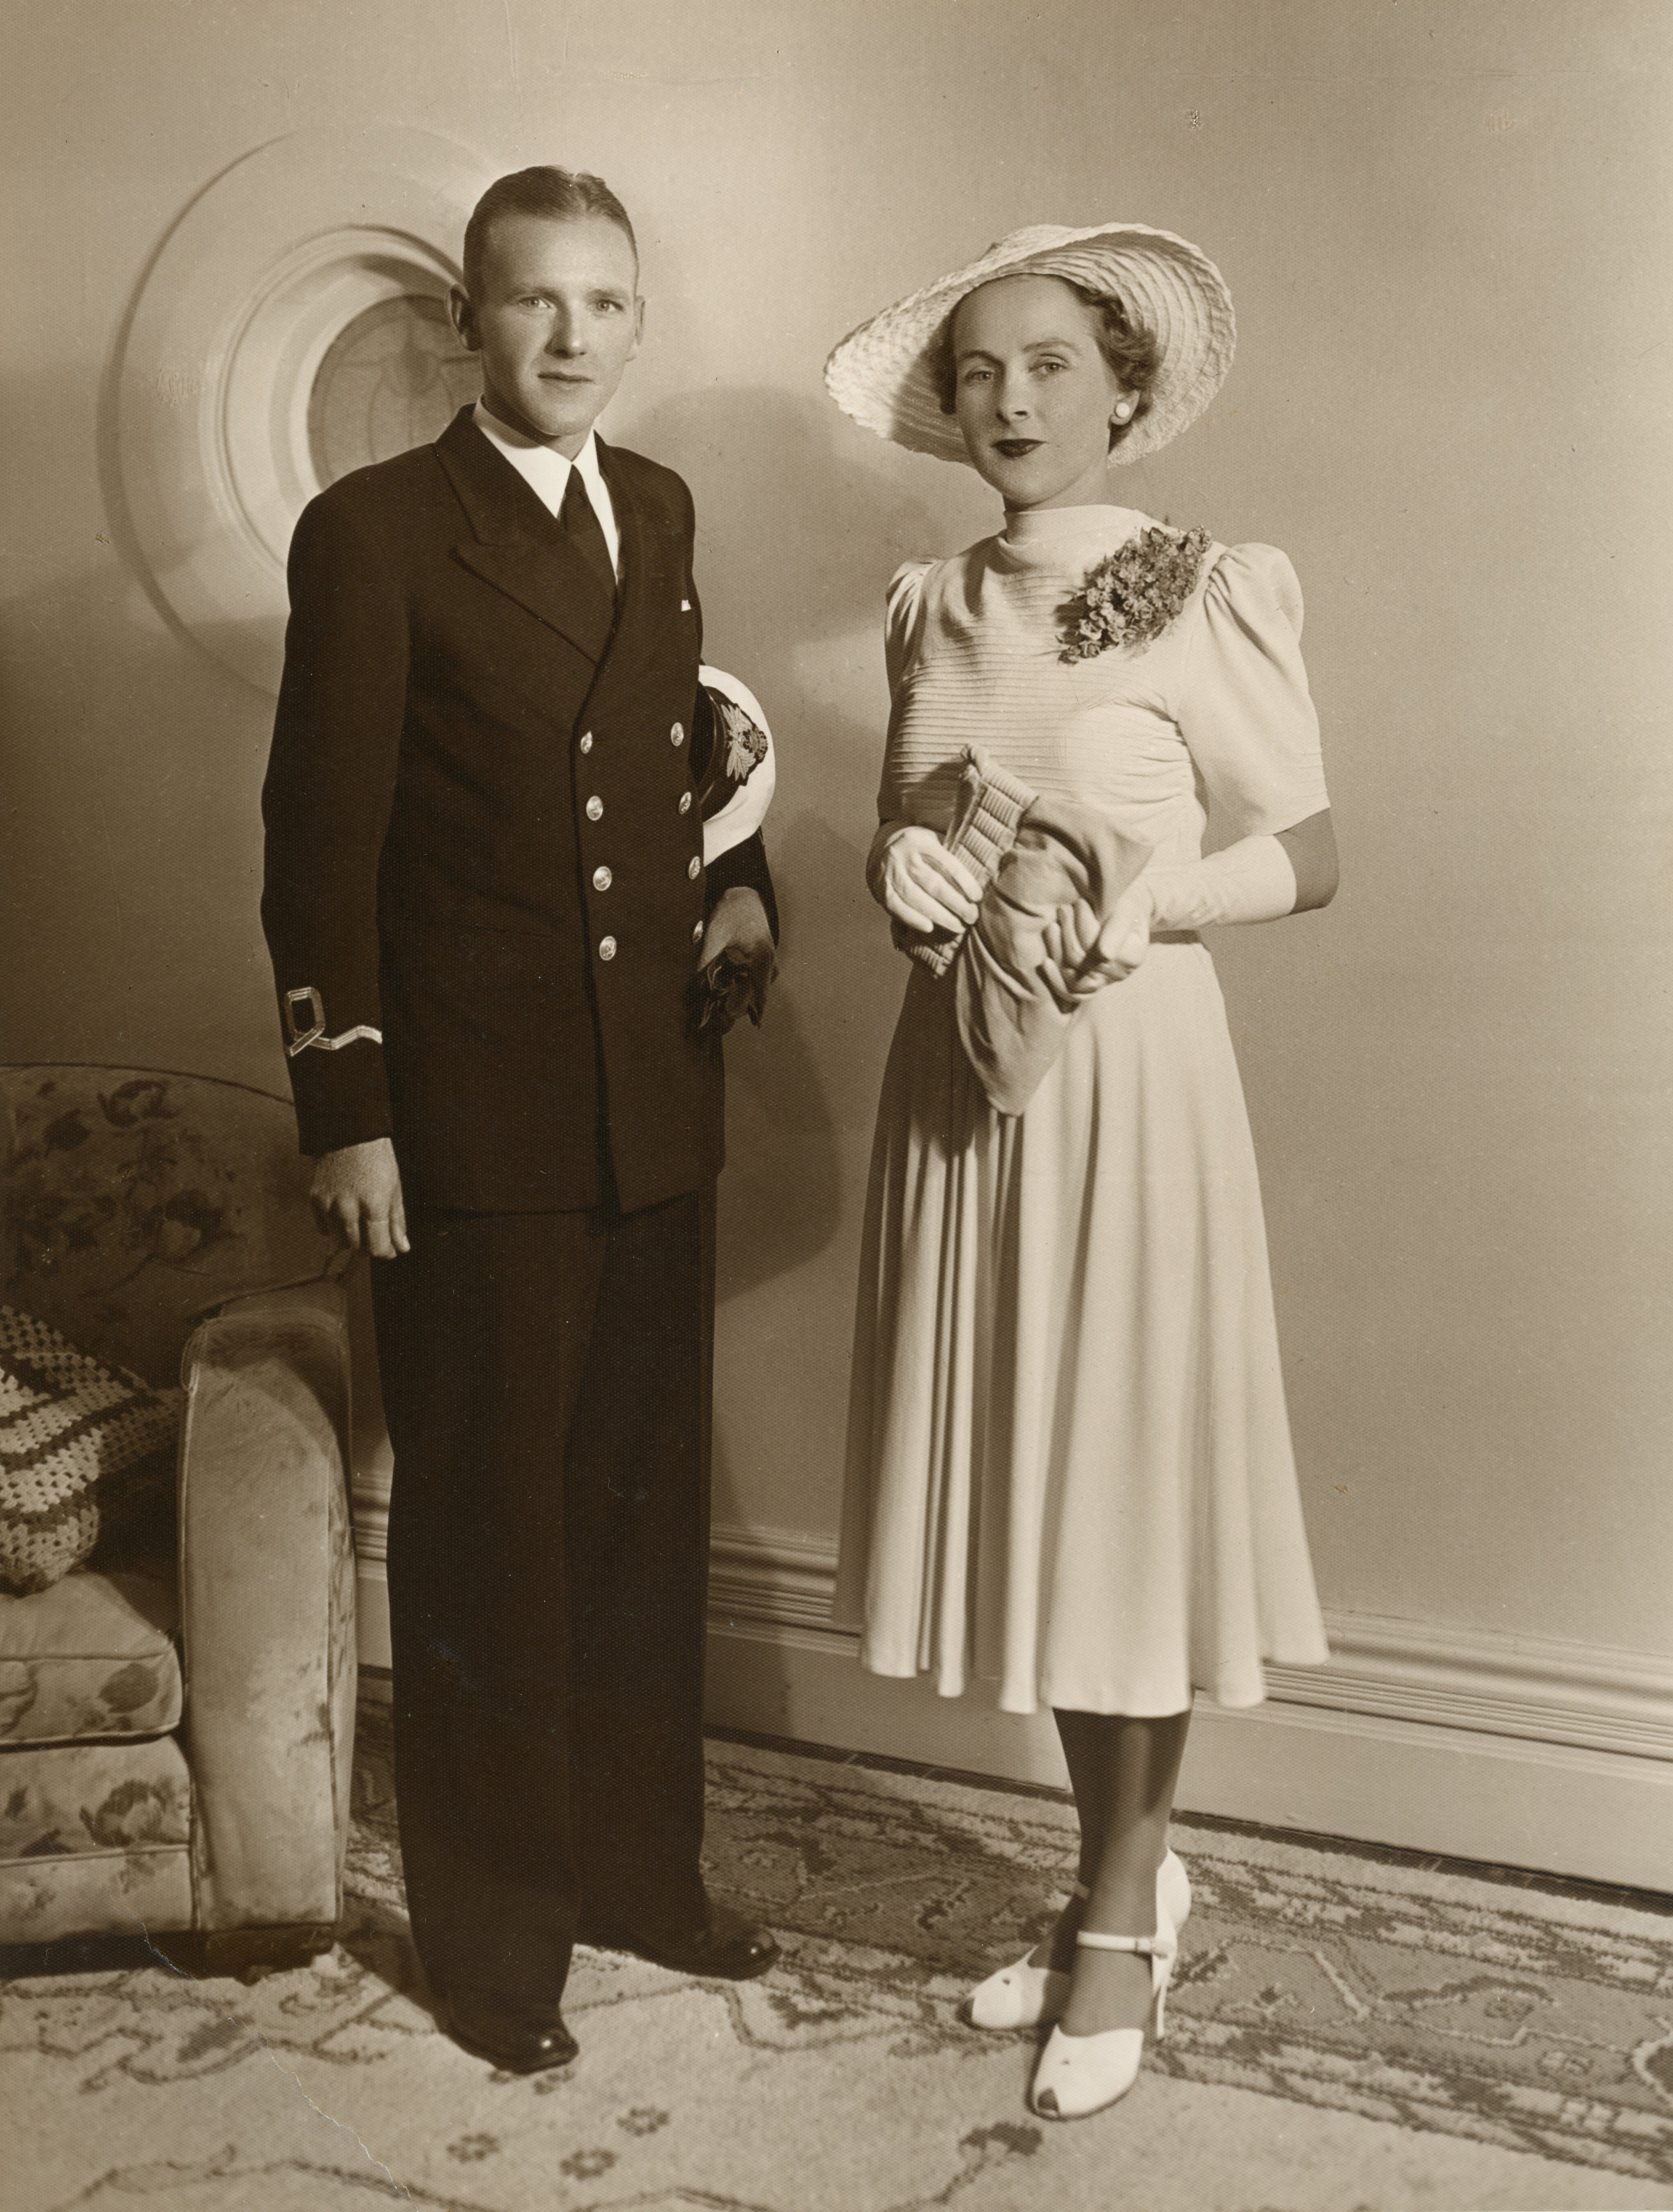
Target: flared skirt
1069 1467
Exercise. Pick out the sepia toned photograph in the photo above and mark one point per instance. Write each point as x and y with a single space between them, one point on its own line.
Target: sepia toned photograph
836 1103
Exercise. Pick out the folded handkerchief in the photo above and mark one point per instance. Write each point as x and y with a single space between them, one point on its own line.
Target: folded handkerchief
1009 1025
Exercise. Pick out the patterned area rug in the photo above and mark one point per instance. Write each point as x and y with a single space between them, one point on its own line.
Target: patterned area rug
1499 2029
1542 2023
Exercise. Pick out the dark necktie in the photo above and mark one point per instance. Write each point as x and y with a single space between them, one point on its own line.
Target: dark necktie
581 524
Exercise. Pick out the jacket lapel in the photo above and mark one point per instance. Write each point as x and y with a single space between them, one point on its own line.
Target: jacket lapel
650 560
517 546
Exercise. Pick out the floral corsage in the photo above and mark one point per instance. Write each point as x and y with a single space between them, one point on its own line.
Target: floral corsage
1132 595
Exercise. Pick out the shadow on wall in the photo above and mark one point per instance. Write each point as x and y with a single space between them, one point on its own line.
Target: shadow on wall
129 856
801 522
798 509
781 1195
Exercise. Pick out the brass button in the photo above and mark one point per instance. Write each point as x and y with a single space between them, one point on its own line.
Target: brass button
606 948
696 868
685 802
587 742
677 735
696 933
602 879
594 808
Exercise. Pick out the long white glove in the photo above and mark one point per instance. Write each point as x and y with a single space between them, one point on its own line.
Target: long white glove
1250 881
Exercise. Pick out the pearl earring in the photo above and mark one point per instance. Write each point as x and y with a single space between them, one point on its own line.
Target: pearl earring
1124 408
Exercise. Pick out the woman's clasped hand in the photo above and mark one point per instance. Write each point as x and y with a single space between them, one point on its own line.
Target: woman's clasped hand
1084 956
920 883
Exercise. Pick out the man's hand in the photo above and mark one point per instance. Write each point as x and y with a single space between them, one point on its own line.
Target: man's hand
357 1193
737 958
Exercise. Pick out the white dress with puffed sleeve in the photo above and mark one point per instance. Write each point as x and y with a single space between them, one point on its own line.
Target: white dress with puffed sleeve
1069 1467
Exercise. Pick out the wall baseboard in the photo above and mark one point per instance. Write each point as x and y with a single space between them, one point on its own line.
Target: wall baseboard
1590 1696
371 1519
1521 1751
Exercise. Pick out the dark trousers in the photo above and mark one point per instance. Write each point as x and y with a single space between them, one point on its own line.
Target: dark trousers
547 1381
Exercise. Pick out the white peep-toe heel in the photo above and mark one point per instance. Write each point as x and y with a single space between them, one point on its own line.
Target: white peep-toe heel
1173 1890
1026 1996
1082 2074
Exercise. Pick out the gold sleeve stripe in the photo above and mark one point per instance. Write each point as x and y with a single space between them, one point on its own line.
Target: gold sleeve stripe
314 1034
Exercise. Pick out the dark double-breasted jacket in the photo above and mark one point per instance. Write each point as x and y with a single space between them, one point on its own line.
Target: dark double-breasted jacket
484 890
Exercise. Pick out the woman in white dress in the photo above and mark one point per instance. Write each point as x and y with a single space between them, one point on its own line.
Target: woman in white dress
1069 1463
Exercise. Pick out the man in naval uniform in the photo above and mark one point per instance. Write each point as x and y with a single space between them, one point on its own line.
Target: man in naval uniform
492 927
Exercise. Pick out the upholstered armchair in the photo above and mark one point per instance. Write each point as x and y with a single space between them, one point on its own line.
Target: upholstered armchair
176 1732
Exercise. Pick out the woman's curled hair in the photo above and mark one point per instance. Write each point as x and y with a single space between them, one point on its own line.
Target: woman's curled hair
1135 358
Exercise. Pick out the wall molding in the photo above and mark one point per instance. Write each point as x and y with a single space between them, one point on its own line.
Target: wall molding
1507 1801
771 1575
1545 1690
272 261
370 1494
1517 1750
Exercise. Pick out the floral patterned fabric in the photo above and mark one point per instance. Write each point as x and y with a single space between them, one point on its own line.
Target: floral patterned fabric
267 1594
138 1200
94 1839
137 1203
45 1900
77 1798
93 1656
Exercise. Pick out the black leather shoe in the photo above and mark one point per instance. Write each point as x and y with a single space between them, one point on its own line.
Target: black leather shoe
727 1948
507 2031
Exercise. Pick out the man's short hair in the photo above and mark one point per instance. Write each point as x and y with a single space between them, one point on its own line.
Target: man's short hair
564 195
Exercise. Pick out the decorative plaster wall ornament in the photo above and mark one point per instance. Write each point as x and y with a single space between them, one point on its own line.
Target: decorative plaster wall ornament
292 327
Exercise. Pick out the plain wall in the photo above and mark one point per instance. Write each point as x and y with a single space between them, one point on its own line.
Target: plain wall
1446 230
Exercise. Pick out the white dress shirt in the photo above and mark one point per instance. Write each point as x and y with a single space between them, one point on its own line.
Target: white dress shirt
547 473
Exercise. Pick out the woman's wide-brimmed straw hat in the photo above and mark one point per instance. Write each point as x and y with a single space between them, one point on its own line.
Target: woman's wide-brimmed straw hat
884 374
